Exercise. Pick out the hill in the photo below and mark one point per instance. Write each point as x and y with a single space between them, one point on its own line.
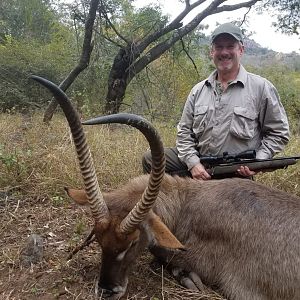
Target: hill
259 56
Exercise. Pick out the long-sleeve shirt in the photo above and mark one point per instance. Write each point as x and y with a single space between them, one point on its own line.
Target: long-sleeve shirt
248 115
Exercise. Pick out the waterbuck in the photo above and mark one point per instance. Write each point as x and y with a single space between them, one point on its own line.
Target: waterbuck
234 234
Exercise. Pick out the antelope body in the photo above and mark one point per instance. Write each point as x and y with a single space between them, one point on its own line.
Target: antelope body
234 234
240 236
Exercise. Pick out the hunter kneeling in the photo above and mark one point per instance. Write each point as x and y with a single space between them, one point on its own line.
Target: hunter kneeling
232 111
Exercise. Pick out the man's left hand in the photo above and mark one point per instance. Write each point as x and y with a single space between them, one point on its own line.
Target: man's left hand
245 171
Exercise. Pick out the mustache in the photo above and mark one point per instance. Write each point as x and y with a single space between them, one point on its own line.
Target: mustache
225 56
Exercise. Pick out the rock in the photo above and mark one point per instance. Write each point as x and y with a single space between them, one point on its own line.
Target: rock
32 253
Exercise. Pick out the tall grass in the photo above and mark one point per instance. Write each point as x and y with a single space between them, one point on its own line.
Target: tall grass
39 160
285 179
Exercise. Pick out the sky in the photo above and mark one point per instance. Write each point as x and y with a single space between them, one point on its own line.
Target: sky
261 25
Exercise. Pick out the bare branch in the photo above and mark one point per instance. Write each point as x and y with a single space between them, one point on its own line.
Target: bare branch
175 24
236 6
109 39
188 8
111 25
188 55
245 16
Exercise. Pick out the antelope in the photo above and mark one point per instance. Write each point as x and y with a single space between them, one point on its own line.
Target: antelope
237 235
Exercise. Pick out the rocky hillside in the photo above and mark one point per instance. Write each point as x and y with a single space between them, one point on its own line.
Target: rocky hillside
257 55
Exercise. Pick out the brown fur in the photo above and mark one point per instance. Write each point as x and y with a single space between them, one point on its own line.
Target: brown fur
241 236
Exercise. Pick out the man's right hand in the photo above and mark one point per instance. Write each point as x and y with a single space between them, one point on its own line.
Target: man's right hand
199 172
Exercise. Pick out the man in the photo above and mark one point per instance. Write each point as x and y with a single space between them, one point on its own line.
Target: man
230 111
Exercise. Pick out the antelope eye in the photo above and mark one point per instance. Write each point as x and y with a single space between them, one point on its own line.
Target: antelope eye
133 243
121 255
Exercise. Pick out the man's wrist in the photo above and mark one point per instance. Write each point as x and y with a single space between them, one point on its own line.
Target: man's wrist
192 162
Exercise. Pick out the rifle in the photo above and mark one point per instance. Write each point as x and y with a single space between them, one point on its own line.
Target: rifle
227 165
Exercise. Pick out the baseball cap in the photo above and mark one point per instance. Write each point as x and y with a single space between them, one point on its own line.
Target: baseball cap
228 28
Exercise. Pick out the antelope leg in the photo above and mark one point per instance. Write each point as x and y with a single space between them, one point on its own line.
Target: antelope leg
190 280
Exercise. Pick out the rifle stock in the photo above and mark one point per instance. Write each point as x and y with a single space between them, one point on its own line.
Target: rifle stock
257 165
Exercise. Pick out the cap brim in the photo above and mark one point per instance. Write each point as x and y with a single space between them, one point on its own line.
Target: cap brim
232 34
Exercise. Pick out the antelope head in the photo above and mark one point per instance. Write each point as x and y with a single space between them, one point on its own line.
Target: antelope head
120 234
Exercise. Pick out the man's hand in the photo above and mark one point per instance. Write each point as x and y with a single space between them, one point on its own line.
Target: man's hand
199 172
245 171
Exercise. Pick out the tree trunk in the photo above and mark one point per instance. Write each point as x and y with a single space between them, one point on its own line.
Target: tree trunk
118 81
87 48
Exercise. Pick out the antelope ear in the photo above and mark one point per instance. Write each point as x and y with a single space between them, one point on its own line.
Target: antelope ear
162 236
79 196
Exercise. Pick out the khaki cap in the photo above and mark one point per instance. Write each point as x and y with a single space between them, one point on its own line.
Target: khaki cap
228 28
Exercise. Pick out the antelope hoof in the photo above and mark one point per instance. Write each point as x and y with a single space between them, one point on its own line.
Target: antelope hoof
190 280
109 295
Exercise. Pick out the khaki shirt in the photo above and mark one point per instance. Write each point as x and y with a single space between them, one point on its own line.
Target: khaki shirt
248 115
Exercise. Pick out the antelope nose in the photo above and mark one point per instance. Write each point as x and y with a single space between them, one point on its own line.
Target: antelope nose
108 294
111 294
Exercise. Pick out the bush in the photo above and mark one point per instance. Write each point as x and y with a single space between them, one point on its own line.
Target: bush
20 59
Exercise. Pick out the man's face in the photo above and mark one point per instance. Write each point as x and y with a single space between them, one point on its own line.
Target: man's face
226 53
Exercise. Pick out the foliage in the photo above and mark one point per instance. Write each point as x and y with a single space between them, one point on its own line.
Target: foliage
142 22
19 59
31 43
287 13
159 91
18 20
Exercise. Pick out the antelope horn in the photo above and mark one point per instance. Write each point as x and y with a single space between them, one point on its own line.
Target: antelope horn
138 213
98 206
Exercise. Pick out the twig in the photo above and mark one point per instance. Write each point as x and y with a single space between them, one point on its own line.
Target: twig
90 238
69 292
162 282
17 206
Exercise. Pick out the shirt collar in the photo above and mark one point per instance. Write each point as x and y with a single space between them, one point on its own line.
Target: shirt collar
241 77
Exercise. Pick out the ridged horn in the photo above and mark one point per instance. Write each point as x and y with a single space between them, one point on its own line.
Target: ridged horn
138 213
98 206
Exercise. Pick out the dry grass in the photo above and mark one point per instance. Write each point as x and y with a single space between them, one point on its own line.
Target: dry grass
42 159
285 179
36 162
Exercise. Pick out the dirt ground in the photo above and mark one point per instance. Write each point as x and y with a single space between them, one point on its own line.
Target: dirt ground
63 225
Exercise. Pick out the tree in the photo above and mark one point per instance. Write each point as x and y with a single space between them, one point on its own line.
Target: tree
32 40
146 34
83 61
287 13
26 19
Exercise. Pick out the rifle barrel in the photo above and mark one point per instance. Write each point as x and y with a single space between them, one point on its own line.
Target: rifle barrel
276 163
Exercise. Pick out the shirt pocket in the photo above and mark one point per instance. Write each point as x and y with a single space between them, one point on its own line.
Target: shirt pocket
200 117
243 123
